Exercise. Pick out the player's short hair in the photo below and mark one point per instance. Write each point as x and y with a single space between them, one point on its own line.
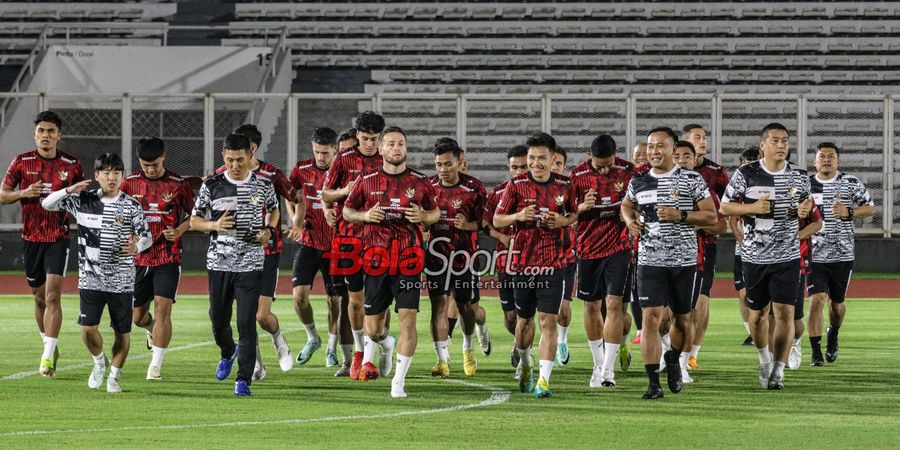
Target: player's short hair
517 151
251 132
690 127
325 136
666 130
349 133
750 154
109 161
150 149
236 142
541 139
561 151
688 145
837 150
603 146
445 145
772 126
48 116
369 122
387 130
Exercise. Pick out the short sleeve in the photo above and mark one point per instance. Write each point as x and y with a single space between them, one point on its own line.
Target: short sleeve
357 198
428 202
284 187
630 194
271 198
333 177
861 196
699 190
737 188
139 222
508 201
203 202
13 174
185 197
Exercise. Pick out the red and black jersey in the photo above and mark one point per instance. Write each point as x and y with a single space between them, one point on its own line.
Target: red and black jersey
467 198
601 231
537 245
346 167
806 244
490 207
57 173
392 193
308 179
167 201
716 180
283 189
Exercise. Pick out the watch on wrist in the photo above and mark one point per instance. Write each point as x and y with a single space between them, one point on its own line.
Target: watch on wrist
849 214
271 230
684 215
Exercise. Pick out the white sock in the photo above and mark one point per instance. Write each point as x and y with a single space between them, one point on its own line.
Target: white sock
797 341
442 350
258 355
609 356
277 338
43 336
332 343
597 351
468 342
98 359
666 342
514 344
546 368
49 347
625 338
525 356
158 354
764 355
384 345
358 341
562 334
695 350
480 329
403 363
747 327
149 326
369 350
779 369
114 372
311 332
347 352
683 359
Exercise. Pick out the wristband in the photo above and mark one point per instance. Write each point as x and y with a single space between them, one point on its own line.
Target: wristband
684 215
271 230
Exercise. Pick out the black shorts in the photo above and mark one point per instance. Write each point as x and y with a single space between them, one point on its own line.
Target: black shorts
571 272
798 304
543 293
42 258
507 299
673 287
629 295
308 261
771 283
355 281
709 268
738 273
830 278
381 290
91 308
153 281
600 277
270 276
464 287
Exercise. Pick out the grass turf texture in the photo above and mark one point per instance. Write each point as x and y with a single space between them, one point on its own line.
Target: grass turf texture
848 403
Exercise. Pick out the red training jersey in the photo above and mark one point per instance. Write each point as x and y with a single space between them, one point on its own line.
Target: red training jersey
805 244
308 179
167 201
467 198
716 180
601 231
392 193
489 209
537 245
40 225
346 167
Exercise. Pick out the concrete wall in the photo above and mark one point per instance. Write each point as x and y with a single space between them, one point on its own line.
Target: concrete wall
873 254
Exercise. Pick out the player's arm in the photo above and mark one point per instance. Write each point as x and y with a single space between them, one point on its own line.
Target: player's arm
761 206
372 215
735 224
203 206
54 201
9 195
718 229
431 216
705 216
811 229
140 231
632 217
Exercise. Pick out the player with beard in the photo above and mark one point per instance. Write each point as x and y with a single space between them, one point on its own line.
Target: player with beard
392 203
339 180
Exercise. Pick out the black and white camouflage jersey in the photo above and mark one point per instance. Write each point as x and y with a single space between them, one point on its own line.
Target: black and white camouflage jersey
834 241
104 226
770 238
236 250
667 244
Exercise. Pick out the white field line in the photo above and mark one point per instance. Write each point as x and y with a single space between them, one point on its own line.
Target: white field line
497 397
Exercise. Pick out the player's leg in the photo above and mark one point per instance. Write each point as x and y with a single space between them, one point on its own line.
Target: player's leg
90 307
406 347
56 259
838 281
464 297
653 292
591 291
818 291
550 290
356 313
143 294
452 315
564 319
268 321
120 315
741 289
247 294
221 299
439 325
526 307
162 334
379 297
795 358
700 313
508 305
333 304
613 276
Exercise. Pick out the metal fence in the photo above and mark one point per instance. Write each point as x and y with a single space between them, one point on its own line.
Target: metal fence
193 125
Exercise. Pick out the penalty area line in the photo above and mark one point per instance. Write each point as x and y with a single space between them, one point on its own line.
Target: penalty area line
498 396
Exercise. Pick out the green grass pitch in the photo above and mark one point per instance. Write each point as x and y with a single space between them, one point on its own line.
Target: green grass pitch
850 403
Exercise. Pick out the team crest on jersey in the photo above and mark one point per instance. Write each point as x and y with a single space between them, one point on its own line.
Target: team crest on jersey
410 192
120 220
792 191
167 197
255 199
559 200
674 193
63 175
619 185
456 203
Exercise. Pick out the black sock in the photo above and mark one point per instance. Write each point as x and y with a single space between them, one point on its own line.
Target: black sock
835 329
816 343
652 373
452 325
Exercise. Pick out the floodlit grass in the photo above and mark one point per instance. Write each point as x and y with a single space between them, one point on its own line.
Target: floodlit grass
851 403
